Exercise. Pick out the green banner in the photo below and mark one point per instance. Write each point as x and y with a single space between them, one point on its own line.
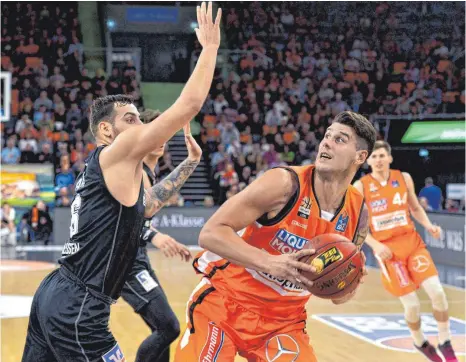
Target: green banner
435 132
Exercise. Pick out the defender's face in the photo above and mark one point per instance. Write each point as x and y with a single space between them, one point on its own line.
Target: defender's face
338 150
380 160
125 117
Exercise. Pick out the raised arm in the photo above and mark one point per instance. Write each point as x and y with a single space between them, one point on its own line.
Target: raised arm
136 142
162 191
267 195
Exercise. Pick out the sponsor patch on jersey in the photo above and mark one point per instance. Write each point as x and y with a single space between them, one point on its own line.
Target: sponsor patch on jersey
305 208
298 224
395 183
146 281
372 187
146 235
390 331
379 205
114 355
390 220
213 345
342 222
281 347
70 249
322 261
287 243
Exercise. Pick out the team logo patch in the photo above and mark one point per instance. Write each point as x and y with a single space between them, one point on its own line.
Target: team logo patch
146 281
287 243
146 235
322 261
213 345
114 355
281 348
420 263
298 224
372 187
379 205
395 183
342 222
305 208
389 331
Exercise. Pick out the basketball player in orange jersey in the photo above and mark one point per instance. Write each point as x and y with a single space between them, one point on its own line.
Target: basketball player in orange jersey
406 263
251 299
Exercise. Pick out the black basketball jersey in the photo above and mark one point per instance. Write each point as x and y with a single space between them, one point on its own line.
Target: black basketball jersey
148 220
104 234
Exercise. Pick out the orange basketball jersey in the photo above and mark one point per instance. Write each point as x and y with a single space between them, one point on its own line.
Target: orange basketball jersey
263 293
388 206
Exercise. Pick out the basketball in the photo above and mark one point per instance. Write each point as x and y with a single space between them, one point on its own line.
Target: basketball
338 264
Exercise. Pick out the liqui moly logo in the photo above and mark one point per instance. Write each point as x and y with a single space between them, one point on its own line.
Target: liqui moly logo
287 243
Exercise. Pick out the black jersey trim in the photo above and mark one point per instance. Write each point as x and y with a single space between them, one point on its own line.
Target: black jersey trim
213 271
265 221
113 247
149 173
359 220
195 303
317 200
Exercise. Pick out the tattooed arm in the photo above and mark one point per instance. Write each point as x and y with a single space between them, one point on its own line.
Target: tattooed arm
363 227
161 192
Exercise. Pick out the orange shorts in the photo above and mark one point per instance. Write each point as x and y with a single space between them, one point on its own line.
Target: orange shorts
410 265
218 329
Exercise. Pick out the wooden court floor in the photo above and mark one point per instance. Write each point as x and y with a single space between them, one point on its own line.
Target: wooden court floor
178 280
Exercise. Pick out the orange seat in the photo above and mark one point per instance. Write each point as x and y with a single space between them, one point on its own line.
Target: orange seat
449 97
443 65
350 77
14 102
6 61
395 87
363 77
209 119
410 86
399 68
33 62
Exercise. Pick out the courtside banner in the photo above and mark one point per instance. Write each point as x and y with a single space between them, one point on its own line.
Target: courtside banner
182 223
449 248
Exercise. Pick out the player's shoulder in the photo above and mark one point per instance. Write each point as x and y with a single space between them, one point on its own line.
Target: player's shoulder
355 193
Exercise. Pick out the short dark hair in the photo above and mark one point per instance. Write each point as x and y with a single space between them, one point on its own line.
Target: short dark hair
382 144
363 128
102 109
148 115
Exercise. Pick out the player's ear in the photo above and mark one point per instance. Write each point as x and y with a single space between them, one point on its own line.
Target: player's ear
361 157
390 159
105 129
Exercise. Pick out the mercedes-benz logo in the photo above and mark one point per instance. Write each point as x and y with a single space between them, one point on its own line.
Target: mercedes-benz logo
420 263
281 348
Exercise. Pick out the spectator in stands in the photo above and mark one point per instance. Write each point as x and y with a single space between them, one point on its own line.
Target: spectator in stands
45 155
432 193
8 228
208 201
38 223
65 179
11 154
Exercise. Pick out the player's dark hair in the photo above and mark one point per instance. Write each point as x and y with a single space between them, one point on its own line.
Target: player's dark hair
102 109
364 129
382 144
148 115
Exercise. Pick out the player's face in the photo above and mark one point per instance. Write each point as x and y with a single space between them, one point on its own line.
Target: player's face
158 152
125 117
338 151
380 160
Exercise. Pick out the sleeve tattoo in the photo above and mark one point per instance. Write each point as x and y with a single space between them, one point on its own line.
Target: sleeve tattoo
162 191
363 227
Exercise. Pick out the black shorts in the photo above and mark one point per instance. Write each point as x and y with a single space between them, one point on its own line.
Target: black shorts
141 285
69 322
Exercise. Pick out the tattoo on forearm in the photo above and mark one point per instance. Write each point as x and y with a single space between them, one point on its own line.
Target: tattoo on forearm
169 186
363 227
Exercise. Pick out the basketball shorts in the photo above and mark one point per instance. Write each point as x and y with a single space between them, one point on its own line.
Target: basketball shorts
218 329
69 323
141 285
410 265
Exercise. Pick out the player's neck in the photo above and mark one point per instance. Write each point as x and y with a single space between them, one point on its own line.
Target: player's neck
151 161
330 191
381 176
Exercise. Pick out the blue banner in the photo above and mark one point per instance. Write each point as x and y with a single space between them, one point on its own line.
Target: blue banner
152 14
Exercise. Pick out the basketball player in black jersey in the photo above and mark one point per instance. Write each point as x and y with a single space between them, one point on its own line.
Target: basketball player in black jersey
71 308
142 290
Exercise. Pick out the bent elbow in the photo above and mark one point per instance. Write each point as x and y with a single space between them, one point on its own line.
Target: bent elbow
203 238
